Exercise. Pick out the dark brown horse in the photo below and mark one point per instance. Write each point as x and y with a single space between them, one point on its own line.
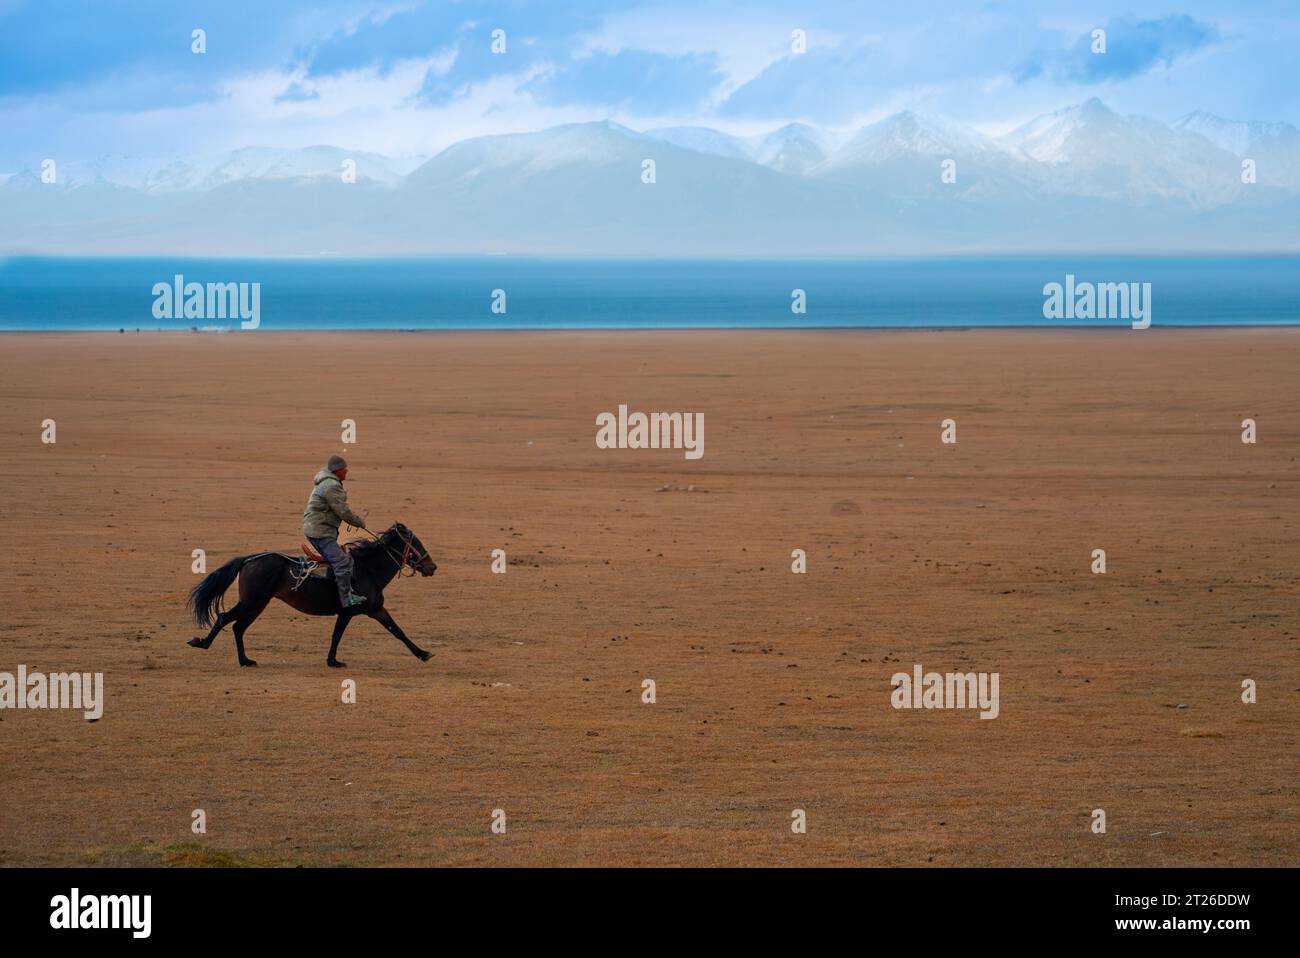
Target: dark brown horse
270 575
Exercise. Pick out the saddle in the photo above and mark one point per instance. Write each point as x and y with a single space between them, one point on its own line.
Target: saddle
312 564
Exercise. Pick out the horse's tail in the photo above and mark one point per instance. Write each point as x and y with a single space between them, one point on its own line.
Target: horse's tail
205 600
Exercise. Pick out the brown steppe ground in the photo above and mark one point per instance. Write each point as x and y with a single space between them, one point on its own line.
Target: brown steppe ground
1119 691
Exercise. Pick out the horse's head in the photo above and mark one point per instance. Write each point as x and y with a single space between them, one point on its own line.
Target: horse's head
413 552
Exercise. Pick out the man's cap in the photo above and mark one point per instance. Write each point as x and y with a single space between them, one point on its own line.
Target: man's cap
336 463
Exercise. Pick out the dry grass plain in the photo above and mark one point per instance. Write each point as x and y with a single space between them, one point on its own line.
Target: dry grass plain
1118 691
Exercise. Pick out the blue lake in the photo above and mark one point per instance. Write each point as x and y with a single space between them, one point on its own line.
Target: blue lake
83 293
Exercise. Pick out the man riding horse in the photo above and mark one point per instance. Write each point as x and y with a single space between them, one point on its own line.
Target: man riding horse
263 576
327 507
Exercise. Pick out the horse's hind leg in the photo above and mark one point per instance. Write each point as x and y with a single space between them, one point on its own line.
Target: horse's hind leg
241 626
223 620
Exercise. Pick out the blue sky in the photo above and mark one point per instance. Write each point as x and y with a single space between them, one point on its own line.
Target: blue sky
79 79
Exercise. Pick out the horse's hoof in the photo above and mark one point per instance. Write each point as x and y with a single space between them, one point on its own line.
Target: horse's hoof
196 642
423 656
247 663
336 664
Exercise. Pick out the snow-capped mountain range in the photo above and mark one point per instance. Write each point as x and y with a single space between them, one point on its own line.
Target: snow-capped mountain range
1080 177
179 174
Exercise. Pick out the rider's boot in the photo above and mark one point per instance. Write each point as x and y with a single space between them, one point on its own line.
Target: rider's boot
348 598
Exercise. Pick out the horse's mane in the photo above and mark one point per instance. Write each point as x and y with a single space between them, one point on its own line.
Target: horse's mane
361 548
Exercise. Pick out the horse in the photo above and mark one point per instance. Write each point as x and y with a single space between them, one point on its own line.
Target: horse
264 576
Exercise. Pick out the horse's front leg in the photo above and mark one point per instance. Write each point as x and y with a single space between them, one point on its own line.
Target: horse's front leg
340 624
381 616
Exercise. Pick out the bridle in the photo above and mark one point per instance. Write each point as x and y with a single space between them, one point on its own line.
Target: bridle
411 555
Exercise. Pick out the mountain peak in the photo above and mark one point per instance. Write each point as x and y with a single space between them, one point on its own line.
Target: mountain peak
612 127
1053 137
1094 105
1235 136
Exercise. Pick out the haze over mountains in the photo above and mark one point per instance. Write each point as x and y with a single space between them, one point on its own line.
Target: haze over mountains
1081 178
